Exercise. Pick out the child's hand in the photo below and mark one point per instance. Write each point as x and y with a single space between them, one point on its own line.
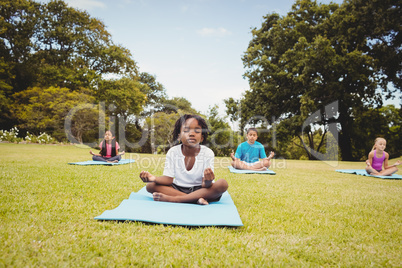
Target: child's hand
208 178
397 163
90 152
147 177
122 153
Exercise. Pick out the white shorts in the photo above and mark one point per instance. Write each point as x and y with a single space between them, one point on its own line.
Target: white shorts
250 164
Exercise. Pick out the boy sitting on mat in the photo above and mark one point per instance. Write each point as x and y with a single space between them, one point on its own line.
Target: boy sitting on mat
249 153
188 176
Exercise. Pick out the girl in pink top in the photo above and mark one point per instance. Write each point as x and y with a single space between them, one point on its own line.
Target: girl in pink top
378 157
109 150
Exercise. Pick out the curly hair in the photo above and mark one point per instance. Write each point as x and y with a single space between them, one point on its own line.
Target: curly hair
179 123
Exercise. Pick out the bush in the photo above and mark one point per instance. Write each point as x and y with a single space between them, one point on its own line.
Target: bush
12 136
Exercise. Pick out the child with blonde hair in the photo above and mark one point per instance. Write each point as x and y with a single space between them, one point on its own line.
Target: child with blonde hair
378 158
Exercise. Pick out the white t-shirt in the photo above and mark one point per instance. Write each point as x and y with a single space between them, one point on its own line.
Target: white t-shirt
176 168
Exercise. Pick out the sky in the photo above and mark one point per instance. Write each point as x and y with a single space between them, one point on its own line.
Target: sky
193 47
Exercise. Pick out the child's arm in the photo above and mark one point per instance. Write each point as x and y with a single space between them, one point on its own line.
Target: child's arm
92 153
148 177
386 162
370 158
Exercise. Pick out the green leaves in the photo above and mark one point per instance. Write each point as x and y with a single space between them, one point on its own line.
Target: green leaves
318 54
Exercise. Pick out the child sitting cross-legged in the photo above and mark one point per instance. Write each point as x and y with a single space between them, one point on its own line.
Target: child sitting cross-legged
250 154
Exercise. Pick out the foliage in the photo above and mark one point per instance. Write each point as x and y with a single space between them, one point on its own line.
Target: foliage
43 138
232 109
52 45
295 149
122 97
317 55
12 136
160 128
176 105
154 91
45 110
306 215
383 122
222 140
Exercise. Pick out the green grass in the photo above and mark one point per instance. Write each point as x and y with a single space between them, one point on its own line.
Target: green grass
306 215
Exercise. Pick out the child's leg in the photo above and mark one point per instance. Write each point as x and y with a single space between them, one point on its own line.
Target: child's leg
260 165
114 158
165 189
98 158
388 171
238 164
371 170
201 196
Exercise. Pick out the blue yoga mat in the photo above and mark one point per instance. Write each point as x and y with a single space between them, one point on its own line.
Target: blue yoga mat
140 206
87 163
364 173
246 171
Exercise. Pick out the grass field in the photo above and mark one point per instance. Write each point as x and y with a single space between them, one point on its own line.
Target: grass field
305 215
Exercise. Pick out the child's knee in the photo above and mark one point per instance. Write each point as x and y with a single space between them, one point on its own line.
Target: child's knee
266 163
221 185
150 187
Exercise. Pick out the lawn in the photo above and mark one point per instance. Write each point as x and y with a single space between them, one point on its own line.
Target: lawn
305 215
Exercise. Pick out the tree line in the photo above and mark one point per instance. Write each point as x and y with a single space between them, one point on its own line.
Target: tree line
58 65
318 54
54 58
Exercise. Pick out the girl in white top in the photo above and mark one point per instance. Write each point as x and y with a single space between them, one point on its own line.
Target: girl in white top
188 176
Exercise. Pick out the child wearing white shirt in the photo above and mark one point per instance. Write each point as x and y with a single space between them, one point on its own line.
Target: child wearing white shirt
188 176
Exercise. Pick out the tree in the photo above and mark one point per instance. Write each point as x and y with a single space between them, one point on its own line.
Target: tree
122 97
222 140
160 127
301 63
155 91
383 122
45 110
46 45
56 45
175 105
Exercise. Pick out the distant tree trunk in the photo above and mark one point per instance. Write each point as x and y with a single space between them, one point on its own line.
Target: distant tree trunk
345 142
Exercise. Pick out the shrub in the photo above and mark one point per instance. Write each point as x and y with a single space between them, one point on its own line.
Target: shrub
11 135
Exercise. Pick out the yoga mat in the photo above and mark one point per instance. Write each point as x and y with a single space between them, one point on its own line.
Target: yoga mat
363 172
87 163
246 171
140 206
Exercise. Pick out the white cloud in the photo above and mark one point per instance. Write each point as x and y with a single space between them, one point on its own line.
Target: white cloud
85 4
214 32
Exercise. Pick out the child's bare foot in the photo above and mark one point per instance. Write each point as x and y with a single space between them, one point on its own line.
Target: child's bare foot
259 169
202 201
208 178
114 161
161 197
